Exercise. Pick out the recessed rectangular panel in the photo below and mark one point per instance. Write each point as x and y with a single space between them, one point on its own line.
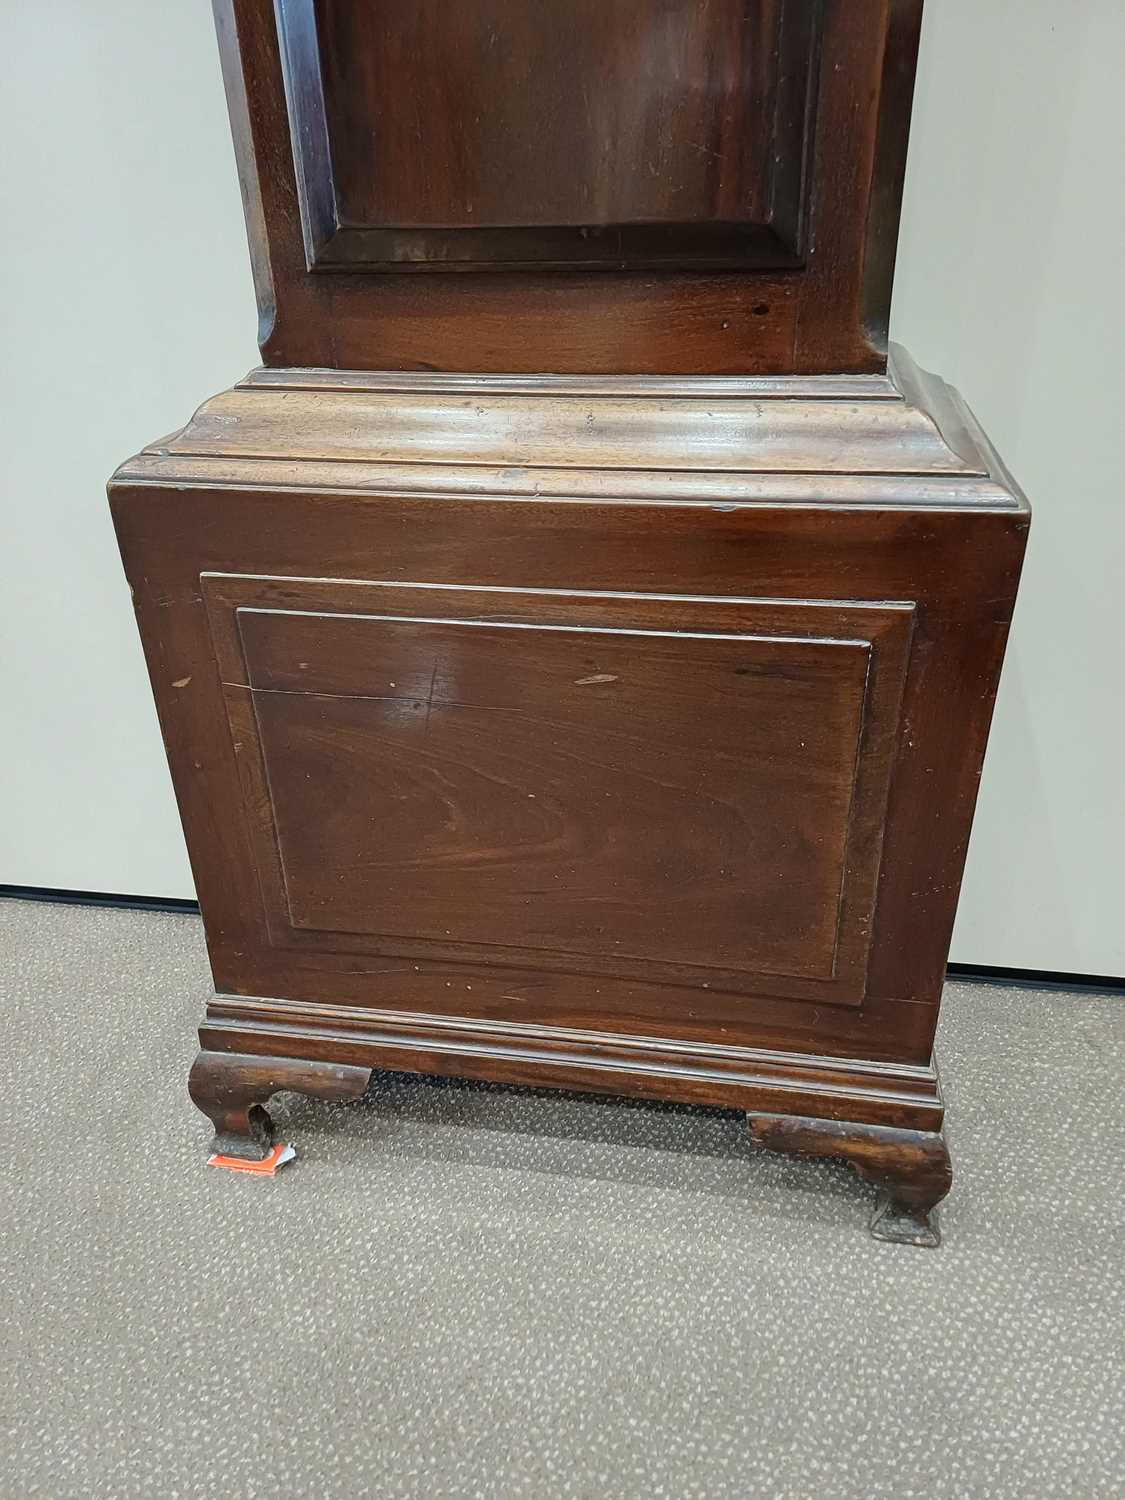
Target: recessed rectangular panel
566 131
647 788
606 795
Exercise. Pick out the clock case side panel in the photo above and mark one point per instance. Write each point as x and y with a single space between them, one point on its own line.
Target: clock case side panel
467 1012
486 769
957 558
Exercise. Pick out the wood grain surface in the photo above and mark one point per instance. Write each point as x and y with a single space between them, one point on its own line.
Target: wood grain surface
466 754
722 181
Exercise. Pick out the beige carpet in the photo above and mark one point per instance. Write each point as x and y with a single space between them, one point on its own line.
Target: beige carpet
466 1291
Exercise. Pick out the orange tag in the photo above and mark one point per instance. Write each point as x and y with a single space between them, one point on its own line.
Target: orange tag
268 1167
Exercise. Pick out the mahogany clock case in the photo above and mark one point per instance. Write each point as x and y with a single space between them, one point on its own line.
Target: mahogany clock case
617 727
614 733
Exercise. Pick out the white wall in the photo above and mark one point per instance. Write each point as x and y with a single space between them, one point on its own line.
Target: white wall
127 299
1011 271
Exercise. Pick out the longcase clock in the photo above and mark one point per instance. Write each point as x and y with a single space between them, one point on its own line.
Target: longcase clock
575 645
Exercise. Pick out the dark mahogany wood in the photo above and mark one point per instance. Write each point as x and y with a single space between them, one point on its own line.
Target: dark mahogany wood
911 1168
570 132
461 1042
426 800
232 1090
643 186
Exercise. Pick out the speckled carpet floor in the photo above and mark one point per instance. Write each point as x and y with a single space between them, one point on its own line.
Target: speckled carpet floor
465 1291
